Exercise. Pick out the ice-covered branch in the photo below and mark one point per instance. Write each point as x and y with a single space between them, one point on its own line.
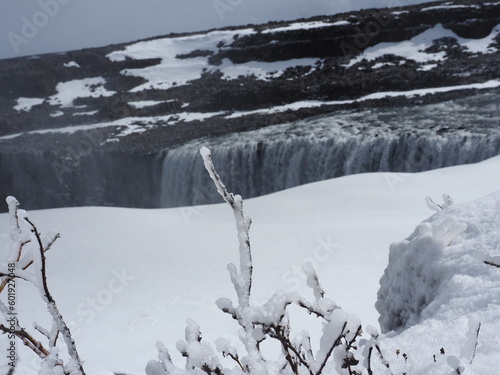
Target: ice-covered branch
227 350
242 280
447 202
41 276
19 239
313 281
469 350
28 249
373 343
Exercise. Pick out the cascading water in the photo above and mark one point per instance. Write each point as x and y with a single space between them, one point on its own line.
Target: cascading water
408 139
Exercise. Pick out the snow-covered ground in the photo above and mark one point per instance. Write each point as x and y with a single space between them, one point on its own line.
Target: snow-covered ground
125 278
415 48
129 125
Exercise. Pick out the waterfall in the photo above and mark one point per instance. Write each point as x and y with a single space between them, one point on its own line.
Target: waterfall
283 156
399 139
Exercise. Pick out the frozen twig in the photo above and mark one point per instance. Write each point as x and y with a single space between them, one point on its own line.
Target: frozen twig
333 345
313 281
469 350
447 202
492 264
40 269
242 280
19 239
278 333
432 205
28 248
373 343
28 340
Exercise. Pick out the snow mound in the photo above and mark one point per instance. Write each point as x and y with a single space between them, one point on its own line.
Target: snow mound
443 268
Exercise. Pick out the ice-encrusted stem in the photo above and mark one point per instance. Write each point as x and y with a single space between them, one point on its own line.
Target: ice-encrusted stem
242 280
28 249
469 350
18 238
40 273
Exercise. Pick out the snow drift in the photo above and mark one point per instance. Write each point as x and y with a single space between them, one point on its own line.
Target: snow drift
152 269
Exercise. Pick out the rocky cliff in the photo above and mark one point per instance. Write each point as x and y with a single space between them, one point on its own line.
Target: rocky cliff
92 126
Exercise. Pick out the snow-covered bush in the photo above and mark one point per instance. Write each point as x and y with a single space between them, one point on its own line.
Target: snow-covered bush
336 350
439 296
414 274
26 262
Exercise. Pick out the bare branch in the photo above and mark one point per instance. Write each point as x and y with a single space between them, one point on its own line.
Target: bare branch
28 340
492 264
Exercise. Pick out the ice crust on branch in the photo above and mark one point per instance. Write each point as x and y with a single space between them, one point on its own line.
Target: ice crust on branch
28 249
447 202
469 349
242 280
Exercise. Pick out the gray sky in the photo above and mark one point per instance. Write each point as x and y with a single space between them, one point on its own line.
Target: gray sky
29 27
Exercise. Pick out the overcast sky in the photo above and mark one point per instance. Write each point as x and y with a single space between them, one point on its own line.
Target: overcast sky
29 27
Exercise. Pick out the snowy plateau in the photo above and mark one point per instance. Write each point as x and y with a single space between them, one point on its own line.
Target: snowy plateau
365 146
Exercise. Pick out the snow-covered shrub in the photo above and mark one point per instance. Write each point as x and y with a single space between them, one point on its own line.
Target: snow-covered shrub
439 296
335 351
26 262
414 274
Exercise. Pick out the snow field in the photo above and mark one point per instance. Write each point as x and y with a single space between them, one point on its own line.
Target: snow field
125 278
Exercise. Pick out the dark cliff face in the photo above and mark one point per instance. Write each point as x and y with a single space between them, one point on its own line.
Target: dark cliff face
343 37
98 140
